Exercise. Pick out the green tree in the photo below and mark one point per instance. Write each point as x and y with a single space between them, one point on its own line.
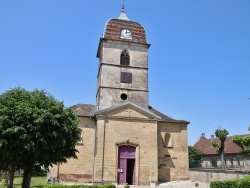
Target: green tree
35 128
243 142
194 157
222 136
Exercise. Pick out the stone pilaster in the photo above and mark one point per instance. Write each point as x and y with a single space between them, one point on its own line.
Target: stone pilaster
153 153
99 149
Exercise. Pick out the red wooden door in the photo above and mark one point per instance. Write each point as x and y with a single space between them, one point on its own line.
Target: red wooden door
126 165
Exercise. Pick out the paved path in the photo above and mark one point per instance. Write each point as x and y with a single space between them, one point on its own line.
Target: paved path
173 184
183 184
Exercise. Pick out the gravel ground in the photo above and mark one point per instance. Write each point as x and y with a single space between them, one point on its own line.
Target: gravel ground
183 184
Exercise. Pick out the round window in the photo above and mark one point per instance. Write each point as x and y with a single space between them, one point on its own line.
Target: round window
124 96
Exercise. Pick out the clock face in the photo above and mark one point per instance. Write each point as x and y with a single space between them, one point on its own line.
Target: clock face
125 33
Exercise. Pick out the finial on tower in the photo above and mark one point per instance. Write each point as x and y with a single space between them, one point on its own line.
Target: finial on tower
123 9
123 15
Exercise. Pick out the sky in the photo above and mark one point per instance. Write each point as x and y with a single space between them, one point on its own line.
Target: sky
199 59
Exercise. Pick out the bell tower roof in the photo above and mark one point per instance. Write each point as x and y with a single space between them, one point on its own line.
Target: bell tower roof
115 26
123 15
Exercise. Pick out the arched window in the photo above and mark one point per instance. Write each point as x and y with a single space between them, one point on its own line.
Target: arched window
125 59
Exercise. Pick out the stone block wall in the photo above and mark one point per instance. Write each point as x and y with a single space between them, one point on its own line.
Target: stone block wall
142 134
209 175
81 169
172 152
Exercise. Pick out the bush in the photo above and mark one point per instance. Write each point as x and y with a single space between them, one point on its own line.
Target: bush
241 183
244 182
80 186
224 184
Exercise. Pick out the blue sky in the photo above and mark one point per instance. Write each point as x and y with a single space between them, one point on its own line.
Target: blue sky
199 61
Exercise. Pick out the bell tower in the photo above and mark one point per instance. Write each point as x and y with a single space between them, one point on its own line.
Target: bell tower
123 64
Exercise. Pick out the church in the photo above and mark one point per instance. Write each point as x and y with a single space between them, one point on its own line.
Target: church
124 140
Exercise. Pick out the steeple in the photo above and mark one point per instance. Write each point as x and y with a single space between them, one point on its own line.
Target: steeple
123 15
123 64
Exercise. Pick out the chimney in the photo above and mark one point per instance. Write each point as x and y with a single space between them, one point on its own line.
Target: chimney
212 137
203 135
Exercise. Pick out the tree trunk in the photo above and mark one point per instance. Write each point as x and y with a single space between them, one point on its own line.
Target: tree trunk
222 153
223 166
9 179
27 176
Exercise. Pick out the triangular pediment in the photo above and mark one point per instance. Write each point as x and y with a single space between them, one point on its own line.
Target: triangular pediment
128 110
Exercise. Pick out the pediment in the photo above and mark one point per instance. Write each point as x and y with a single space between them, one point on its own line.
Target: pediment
128 110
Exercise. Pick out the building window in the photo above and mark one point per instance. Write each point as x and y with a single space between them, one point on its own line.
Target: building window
124 96
126 77
214 163
125 59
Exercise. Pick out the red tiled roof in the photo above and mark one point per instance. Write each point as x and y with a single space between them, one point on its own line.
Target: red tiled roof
115 26
203 144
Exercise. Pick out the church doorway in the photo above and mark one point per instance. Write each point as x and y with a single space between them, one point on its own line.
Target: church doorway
126 165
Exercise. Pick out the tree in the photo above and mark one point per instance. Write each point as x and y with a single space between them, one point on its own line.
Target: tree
222 136
194 157
243 142
35 128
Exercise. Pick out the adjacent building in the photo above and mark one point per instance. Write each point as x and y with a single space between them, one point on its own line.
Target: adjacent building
234 159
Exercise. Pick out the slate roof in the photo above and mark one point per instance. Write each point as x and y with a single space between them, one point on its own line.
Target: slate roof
129 103
203 144
88 110
166 118
84 110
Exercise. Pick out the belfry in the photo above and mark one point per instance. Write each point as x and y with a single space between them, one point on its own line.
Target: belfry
124 140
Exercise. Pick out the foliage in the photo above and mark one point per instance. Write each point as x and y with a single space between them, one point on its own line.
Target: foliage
37 127
243 142
194 157
80 186
245 182
222 136
240 183
38 171
224 184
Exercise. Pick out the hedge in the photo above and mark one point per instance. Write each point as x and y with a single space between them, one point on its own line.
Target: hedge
80 186
224 184
240 183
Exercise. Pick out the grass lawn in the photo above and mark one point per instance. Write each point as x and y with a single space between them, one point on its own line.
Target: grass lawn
36 182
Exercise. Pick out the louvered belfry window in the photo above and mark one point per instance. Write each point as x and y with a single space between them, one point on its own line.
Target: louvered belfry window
126 77
125 58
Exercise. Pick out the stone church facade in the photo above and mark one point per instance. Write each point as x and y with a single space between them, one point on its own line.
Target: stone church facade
124 140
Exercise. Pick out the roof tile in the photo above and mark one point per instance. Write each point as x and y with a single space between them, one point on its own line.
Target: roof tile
115 26
89 110
203 144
